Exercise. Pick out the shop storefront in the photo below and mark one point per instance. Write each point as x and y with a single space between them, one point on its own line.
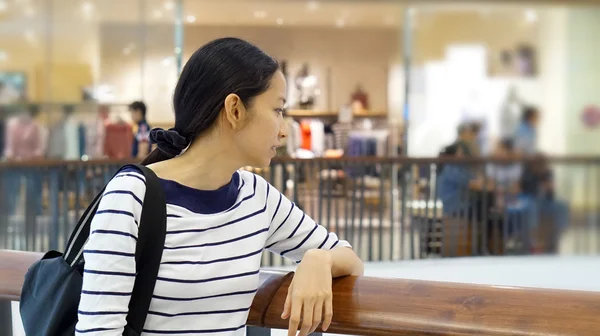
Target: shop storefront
407 76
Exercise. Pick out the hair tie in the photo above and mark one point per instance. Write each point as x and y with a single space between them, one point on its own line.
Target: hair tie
169 141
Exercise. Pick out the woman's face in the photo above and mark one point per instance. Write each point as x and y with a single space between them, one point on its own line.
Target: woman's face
265 127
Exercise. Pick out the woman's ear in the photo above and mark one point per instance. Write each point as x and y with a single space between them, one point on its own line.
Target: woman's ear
235 112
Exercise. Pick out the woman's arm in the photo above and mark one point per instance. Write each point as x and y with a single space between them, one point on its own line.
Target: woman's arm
342 261
109 253
321 256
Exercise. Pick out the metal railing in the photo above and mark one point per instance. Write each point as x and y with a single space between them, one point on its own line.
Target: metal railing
389 209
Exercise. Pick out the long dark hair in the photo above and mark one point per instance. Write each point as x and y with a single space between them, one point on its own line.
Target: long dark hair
217 69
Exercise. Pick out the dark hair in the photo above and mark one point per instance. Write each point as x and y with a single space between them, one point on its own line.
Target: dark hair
528 113
508 144
462 128
219 68
138 106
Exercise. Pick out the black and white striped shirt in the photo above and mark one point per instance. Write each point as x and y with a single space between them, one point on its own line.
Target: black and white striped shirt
211 258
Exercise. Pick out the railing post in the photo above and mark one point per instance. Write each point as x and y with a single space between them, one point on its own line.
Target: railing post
6 318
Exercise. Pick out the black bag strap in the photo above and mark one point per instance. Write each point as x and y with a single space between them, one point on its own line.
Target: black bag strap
149 247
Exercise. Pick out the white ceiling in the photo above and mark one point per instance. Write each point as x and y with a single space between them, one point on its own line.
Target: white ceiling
364 13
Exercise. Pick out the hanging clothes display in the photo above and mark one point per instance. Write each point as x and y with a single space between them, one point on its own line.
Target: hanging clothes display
341 131
118 140
306 135
23 139
367 143
317 137
294 138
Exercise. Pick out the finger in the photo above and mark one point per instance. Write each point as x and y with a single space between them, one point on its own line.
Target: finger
295 315
287 306
317 313
307 318
328 313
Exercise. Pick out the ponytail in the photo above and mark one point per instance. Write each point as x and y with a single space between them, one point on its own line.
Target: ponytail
155 156
169 144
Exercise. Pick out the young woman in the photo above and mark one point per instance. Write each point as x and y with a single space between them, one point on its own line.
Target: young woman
228 114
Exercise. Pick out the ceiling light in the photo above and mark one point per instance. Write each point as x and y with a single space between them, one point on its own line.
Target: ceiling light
157 14
169 5
87 7
260 14
340 23
3 6
313 5
126 51
190 19
3 56
531 16
166 61
279 21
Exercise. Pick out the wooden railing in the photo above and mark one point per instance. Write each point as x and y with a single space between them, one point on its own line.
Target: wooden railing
377 306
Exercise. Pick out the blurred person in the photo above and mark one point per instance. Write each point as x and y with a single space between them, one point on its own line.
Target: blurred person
228 103
464 136
457 181
141 142
526 134
507 174
24 141
545 213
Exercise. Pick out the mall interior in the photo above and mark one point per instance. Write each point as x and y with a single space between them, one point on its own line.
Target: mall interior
439 135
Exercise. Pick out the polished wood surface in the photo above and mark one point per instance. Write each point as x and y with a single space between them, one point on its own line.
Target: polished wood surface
378 306
13 266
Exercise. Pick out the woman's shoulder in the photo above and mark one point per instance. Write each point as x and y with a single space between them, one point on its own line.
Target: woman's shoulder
128 177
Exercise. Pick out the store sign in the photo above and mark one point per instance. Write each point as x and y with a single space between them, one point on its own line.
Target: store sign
591 116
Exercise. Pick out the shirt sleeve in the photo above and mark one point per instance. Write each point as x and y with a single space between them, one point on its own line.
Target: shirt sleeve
109 254
292 232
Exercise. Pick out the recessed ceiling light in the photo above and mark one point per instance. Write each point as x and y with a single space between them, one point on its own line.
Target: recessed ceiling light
166 61
190 19
260 14
340 23
313 5
169 5
158 14
279 21
3 56
87 7
3 6
531 16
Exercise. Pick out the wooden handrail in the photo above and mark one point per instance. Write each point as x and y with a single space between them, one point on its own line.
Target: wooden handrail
377 306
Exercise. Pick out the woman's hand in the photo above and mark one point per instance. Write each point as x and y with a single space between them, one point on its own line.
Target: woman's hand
309 298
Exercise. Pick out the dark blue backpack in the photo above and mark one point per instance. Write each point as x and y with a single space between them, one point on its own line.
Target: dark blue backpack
52 287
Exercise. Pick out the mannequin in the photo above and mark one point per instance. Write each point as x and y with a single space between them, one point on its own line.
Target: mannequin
306 87
510 113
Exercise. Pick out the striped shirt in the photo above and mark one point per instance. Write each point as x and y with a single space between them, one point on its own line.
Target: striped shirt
209 271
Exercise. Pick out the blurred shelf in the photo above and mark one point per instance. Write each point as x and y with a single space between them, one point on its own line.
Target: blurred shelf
333 114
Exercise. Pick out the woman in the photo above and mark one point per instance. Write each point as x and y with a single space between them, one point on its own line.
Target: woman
228 114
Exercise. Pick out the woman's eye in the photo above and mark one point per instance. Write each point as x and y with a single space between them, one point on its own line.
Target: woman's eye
279 110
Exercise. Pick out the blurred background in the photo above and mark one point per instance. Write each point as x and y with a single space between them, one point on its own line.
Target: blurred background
423 129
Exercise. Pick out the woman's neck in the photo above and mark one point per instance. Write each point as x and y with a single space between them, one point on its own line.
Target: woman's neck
208 164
